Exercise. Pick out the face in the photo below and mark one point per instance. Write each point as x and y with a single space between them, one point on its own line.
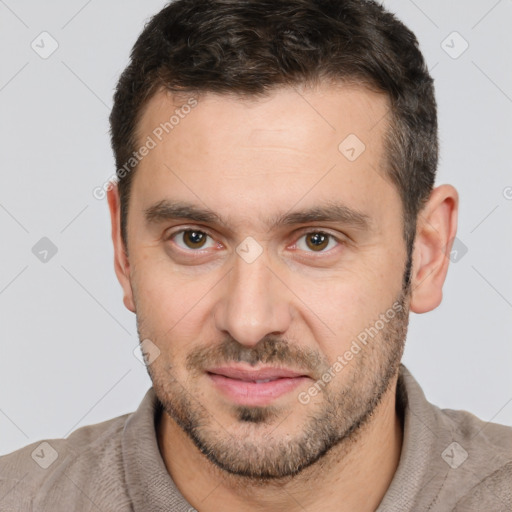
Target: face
266 257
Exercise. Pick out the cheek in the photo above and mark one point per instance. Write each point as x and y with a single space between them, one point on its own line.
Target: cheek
165 300
340 306
335 313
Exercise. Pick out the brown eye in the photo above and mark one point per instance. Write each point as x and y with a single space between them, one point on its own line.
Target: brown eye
188 239
316 241
194 239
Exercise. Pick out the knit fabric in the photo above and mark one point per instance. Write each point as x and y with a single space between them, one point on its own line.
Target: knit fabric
450 461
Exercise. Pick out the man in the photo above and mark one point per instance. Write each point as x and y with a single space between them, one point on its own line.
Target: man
274 222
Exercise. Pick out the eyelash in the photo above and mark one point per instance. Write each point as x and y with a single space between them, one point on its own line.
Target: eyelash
303 234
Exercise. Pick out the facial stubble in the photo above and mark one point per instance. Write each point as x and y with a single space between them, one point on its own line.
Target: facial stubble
255 450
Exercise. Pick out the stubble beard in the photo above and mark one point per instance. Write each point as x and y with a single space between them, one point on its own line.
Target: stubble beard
257 450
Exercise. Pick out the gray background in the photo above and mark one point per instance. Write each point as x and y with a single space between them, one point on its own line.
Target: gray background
67 343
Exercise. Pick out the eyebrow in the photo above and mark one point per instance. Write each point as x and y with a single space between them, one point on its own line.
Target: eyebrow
166 210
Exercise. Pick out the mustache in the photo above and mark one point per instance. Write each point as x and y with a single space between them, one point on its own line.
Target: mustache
269 350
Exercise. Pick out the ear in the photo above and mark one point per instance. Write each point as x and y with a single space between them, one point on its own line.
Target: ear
121 263
435 231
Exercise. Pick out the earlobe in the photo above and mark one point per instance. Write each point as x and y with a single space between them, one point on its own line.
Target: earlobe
121 263
436 229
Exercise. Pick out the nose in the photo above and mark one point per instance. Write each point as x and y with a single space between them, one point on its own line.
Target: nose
253 303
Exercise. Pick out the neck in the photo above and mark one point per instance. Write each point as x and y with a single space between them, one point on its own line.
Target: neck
338 481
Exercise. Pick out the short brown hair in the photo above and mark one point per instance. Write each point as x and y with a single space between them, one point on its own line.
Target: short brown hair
249 47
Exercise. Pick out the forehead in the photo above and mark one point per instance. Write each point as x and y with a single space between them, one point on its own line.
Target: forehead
294 144
295 116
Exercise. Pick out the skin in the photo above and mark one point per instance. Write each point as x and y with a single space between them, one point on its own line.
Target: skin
249 161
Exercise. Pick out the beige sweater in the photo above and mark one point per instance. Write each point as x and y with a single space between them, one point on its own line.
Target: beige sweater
450 461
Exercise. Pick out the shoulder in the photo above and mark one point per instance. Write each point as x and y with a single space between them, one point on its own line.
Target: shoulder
480 455
451 459
64 470
479 433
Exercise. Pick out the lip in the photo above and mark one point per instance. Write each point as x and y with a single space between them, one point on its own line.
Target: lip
240 385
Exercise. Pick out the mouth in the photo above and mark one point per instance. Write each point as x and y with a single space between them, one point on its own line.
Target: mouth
255 387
